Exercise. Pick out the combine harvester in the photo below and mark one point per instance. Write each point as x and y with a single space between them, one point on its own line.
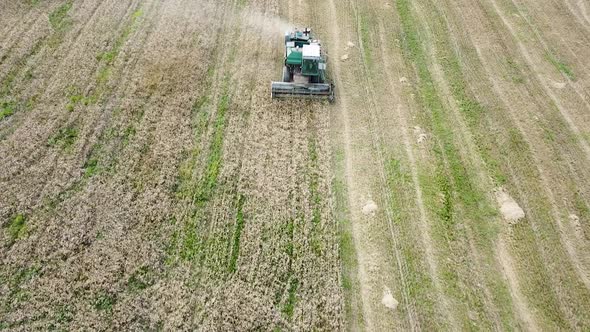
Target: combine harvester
304 73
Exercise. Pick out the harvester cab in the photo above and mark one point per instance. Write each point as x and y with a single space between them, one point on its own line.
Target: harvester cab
304 70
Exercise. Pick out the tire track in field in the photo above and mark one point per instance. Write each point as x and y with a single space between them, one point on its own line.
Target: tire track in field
376 143
183 277
584 9
520 302
242 167
423 224
320 149
504 257
579 11
503 95
565 113
264 185
205 106
351 192
580 55
343 102
318 237
469 151
575 257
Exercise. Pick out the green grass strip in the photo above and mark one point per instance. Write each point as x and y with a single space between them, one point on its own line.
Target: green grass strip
457 194
59 18
561 66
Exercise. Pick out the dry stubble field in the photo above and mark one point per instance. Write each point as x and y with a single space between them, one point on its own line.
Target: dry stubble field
148 182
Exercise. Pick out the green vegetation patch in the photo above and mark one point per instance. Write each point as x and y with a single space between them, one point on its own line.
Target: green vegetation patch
8 82
90 167
104 302
76 98
14 280
17 227
6 109
289 306
65 137
64 314
59 18
141 279
214 160
347 250
202 189
365 34
560 66
108 57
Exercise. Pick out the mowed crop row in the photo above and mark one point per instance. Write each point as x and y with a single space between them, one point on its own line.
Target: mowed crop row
149 181
447 109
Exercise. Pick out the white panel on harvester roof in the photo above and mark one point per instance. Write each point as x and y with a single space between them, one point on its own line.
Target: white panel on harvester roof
312 50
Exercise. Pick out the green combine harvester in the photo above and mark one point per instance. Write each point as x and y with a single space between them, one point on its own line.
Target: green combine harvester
304 73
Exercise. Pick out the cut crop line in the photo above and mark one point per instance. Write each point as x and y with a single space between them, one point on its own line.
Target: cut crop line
579 13
464 135
77 185
418 195
564 70
527 56
414 324
518 125
572 252
521 305
37 48
348 169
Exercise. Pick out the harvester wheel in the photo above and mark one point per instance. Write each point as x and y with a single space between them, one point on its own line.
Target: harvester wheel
286 74
332 98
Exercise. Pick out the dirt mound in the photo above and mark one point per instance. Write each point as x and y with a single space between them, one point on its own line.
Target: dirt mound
388 299
370 208
510 210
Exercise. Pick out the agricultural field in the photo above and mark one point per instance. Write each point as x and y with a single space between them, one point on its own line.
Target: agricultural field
149 182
